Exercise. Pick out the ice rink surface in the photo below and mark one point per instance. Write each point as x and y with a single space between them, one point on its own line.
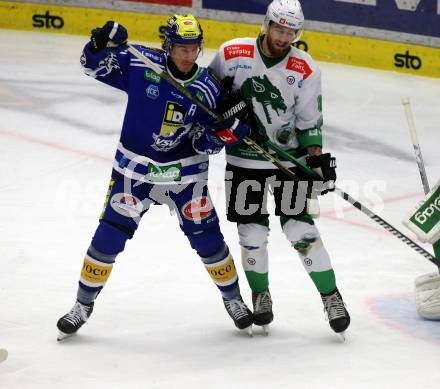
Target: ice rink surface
160 322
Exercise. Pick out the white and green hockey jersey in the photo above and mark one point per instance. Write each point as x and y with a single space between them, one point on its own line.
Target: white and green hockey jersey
285 95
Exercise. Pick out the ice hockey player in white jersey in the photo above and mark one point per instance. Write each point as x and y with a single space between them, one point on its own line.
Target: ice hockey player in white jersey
162 158
281 86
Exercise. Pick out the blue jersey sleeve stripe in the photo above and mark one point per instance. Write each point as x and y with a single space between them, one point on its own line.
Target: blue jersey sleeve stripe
209 97
208 90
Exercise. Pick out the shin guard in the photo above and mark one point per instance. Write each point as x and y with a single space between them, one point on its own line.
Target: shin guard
305 239
254 256
222 270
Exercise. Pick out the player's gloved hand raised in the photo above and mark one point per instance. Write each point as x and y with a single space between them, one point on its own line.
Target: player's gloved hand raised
327 165
230 131
112 34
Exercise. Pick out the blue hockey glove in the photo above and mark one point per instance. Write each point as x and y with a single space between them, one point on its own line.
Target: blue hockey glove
327 164
230 131
112 34
206 141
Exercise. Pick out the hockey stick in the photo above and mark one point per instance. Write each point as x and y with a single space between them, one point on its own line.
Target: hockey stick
418 154
357 204
162 73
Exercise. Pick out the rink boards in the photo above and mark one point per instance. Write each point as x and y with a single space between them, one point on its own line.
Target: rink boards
351 50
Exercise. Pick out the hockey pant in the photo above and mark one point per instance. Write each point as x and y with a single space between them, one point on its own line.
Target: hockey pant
304 238
124 207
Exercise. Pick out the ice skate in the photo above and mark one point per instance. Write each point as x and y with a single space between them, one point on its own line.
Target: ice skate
70 323
263 314
336 313
240 313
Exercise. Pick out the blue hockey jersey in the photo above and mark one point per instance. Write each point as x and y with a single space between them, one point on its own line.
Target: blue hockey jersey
159 124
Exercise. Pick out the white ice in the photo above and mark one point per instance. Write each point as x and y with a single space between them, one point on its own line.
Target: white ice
160 323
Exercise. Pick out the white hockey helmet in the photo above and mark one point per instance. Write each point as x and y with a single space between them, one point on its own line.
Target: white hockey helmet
287 13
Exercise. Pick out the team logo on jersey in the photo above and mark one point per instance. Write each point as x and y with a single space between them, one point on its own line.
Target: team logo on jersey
200 96
290 80
235 51
126 204
264 93
197 209
300 66
153 91
164 144
173 118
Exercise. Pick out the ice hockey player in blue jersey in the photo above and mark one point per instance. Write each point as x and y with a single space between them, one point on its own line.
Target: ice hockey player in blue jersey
162 158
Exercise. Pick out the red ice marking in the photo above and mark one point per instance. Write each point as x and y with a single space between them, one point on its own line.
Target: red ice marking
398 312
57 146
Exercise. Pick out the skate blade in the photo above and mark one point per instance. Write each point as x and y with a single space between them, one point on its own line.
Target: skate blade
3 355
266 330
249 331
342 336
62 336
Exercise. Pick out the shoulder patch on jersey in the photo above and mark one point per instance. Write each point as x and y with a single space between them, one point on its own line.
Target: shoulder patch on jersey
157 55
239 50
300 66
213 76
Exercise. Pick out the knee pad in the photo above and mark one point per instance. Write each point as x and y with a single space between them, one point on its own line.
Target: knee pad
305 239
301 235
252 235
207 242
110 239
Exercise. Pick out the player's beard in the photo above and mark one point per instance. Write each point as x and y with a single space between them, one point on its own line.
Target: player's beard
275 51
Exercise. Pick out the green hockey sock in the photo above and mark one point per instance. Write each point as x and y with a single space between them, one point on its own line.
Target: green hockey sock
325 281
258 282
